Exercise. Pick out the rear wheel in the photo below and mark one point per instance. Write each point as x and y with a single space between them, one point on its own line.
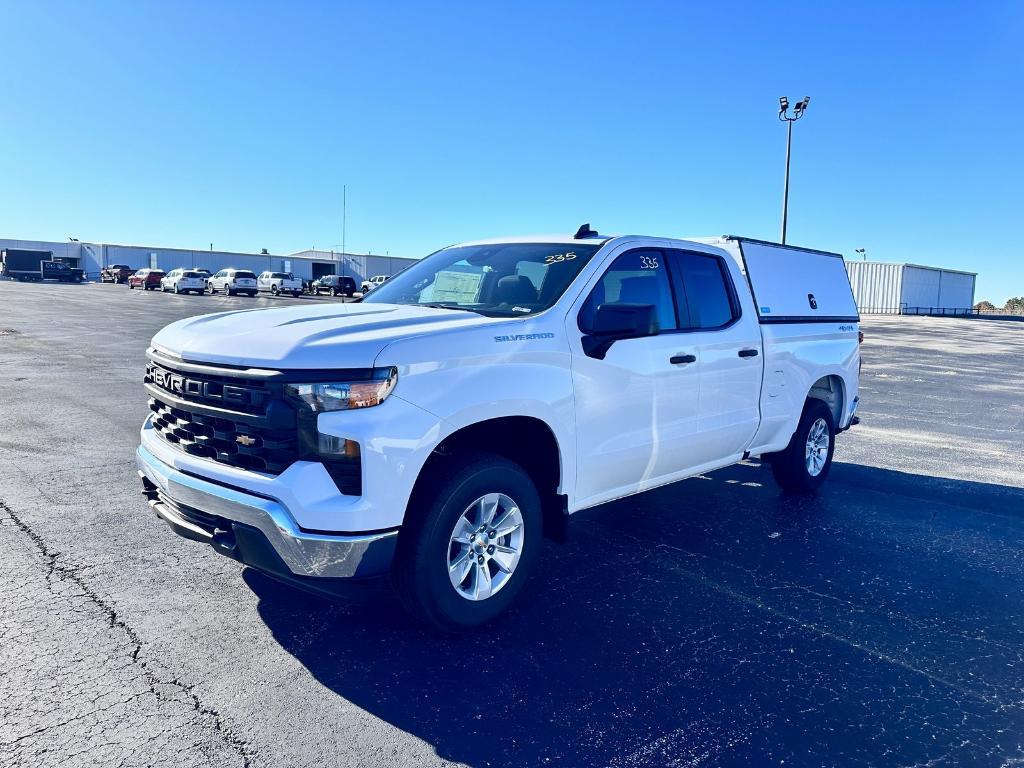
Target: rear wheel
803 466
469 542
273 290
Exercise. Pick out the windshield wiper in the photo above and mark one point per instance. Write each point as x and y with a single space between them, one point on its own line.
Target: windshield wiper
450 306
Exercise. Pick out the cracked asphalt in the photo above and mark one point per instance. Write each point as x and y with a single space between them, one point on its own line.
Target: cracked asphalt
716 622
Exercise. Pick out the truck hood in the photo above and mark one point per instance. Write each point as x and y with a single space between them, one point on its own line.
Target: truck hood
323 336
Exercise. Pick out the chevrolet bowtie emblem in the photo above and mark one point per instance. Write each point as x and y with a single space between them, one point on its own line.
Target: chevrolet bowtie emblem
245 440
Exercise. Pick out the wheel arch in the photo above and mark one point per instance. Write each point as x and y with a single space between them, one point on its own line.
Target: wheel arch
525 440
830 389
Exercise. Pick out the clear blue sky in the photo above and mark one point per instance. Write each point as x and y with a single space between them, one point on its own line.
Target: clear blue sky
185 123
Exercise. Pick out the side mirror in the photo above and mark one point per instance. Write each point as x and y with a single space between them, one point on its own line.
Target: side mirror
616 322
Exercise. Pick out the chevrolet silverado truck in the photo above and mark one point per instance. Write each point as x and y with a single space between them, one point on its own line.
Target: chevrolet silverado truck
437 429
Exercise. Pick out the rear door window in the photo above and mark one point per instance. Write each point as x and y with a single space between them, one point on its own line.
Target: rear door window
704 290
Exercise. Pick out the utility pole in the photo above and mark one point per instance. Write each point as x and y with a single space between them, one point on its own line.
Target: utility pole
798 111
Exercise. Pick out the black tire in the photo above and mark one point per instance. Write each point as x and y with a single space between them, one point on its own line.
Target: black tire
790 465
296 294
273 290
420 569
230 292
252 294
130 287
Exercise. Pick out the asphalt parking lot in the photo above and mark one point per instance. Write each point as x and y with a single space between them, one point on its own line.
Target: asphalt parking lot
713 623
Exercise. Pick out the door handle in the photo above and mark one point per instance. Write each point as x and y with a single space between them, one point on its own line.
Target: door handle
747 353
680 359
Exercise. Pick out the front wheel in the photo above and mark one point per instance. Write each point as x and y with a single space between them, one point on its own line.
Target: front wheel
804 464
273 290
469 542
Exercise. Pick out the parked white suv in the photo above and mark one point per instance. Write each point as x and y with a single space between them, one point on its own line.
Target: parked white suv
279 282
183 280
368 285
233 281
438 428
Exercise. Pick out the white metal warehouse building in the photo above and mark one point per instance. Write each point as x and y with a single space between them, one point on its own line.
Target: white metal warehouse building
910 289
307 265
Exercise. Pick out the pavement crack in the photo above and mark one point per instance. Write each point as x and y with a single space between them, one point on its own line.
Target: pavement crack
57 568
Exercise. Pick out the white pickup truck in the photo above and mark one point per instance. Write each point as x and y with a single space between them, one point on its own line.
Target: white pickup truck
437 429
279 282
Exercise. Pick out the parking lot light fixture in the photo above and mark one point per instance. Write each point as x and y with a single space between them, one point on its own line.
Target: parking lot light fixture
784 115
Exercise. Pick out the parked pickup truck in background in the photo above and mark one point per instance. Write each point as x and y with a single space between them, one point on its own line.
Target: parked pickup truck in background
435 430
30 265
116 273
373 282
279 282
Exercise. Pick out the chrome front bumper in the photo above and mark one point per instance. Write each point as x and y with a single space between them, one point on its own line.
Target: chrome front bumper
304 554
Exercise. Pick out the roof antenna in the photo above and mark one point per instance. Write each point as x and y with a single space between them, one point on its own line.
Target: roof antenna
583 232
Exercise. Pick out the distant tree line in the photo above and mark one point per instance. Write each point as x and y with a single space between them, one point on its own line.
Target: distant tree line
1015 304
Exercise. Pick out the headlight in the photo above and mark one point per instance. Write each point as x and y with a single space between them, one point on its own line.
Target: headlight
346 395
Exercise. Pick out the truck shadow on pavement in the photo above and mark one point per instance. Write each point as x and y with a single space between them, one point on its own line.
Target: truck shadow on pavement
717 622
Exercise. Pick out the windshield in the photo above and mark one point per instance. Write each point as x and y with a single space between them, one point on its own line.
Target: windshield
500 280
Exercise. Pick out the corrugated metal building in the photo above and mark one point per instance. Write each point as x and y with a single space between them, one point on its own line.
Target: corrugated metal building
910 289
308 265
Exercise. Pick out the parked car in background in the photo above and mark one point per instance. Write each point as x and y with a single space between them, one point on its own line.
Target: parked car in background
31 265
232 281
279 282
203 271
116 273
183 280
373 282
146 279
335 285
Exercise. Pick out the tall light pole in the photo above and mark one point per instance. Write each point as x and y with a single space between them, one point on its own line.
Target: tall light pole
862 253
798 111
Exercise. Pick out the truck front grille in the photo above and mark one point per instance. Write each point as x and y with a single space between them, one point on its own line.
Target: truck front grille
246 446
217 414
